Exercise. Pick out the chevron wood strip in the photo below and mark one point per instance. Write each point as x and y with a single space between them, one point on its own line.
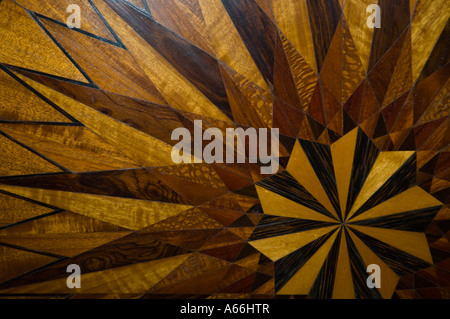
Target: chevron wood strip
109 209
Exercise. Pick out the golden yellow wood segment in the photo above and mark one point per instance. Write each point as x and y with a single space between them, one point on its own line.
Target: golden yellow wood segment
137 146
17 160
302 170
293 20
136 278
69 146
20 104
413 243
112 68
40 54
13 210
57 10
342 152
389 278
176 89
343 282
280 246
426 27
127 213
353 73
384 167
356 17
227 42
304 75
65 233
14 262
278 205
414 198
303 280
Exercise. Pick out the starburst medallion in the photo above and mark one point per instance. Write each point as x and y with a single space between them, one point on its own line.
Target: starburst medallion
338 209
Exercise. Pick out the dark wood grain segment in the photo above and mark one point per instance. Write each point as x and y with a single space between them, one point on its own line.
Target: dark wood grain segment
317 128
443 162
370 107
381 74
324 284
316 107
439 139
331 104
324 16
241 107
199 187
359 273
391 255
228 253
440 56
286 185
184 18
287 266
261 279
354 104
191 239
319 155
408 143
232 180
224 216
242 221
137 184
331 74
155 119
195 64
244 285
427 89
257 31
128 250
365 155
416 220
392 187
284 85
423 132
380 128
390 112
348 124
287 118
395 17
271 226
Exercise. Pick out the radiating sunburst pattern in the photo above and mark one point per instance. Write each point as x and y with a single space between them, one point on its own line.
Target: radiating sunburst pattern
327 218
87 177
